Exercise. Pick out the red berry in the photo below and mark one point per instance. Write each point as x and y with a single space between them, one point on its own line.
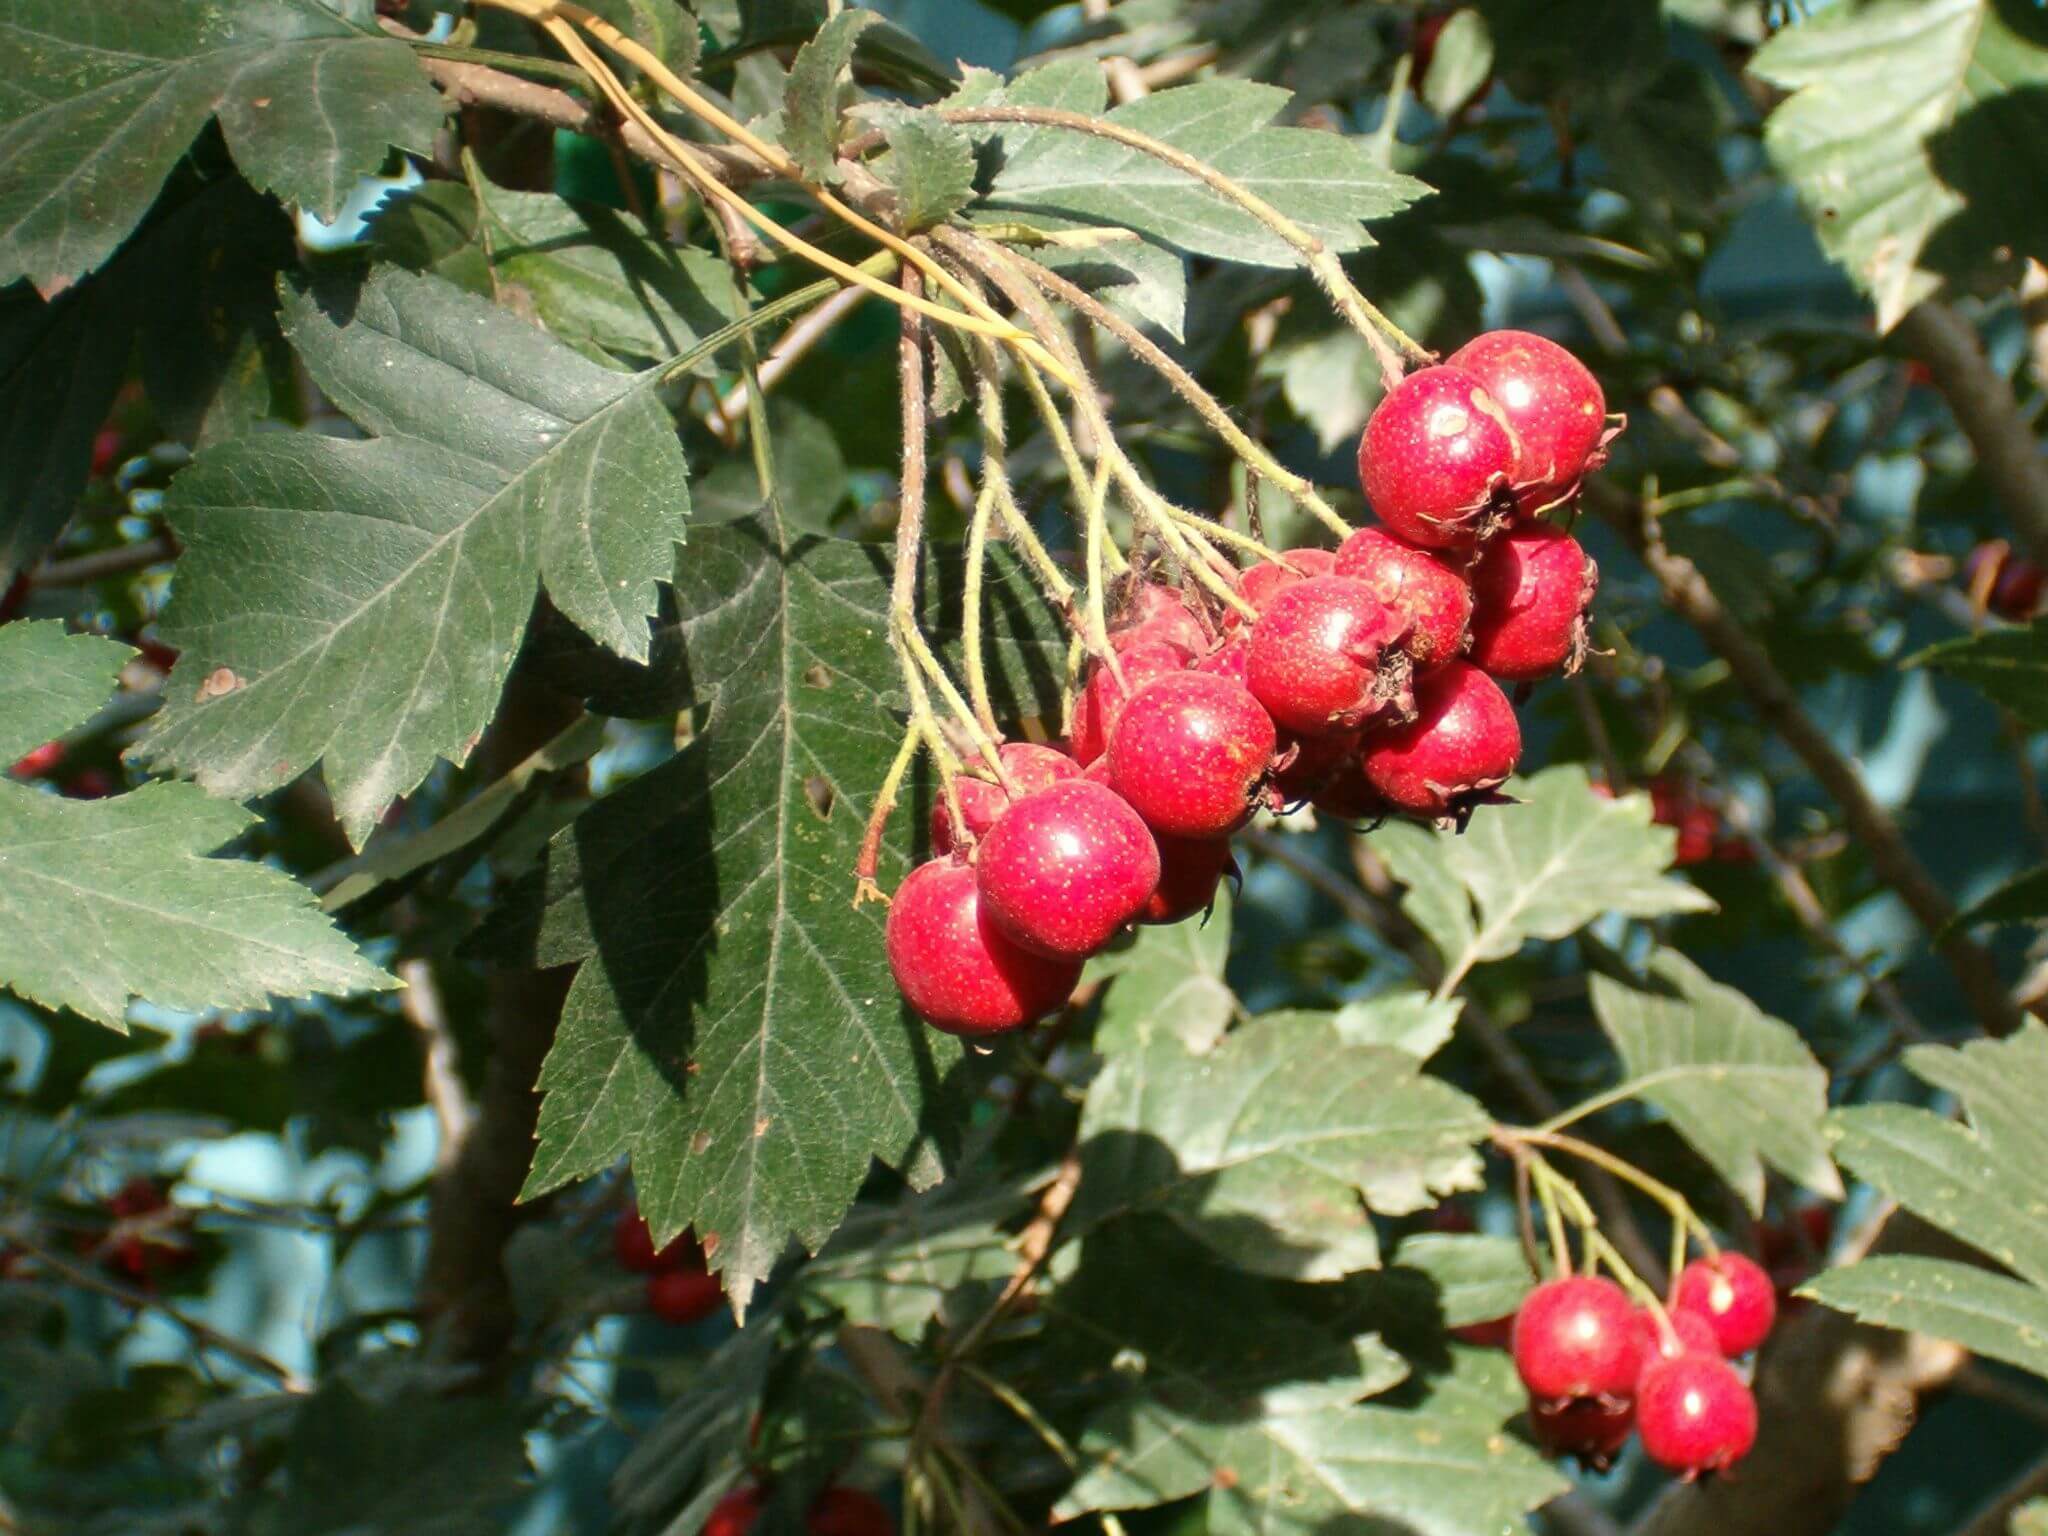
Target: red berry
1496 1333
1735 1296
1530 592
1677 1332
955 968
1031 768
1594 1429
1156 613
1553 404
1695 1414
107 446
1437 457
1315 761
1316 657
38 761
2016 595
1190 869
1346 795
1232 659
633 1243
1577 1337
1432 598
140 1196
1190 754
735 1514
1101 700
1063 871
1462 742
1268 579
849 1512
88 784
683 1295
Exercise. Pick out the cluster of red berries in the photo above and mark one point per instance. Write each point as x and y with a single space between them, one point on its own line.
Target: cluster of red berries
680 1285
2003 583
835 1512
1598 1368
1367 683
47 762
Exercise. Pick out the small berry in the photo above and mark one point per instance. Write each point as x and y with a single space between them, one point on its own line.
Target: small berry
88 784
1347 795
1268 579
1577 1337
1101 700
2003 583
1553 404
1463 742
1592 1429
1031 768
1674 1334
1495 1333
1157 613
735 1514
1190 755
140 1196
633 1243
955 968
1735 1296
1304 765
683 1295
1530 593
1232 659
1317 656
1063 871
849 1512
1430 596
1190 869
1695 1414
108 444
1437 457
38 761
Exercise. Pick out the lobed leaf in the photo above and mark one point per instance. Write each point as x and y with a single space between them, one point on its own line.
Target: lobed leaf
51 682
1988 1313
2008 666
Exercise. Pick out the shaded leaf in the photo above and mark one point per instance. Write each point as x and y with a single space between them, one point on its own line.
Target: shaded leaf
1273 1147
1459 64
810 107
1985 1312
930 164
51 682
1476 1279
100 102
2022 899
1740 1086
1169 981
2008 666
500 457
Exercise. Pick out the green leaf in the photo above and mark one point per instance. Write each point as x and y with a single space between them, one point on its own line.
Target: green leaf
51 682
1168 982
1461 63
104 900
595 278
1408 1021
1541 869
1910 123
683 1463
930 164
1274 1147
499 456
1985 1312
1740 1086
2008 666
1476 1279
100 102
734 1029
1326 183
666 28
2022 899
1938 1169
810 107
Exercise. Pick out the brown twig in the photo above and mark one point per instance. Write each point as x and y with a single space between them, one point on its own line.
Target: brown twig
789 350
83 570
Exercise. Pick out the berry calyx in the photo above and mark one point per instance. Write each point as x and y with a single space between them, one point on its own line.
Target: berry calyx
1463 743
1531 590
1190 754
955 968
1431 597
1553 404
1577 1337
1317 653
1101 700
1695 1414
1592 1429
1735 1297
1063 871
1190 869
1030 767
1437 458
682 1296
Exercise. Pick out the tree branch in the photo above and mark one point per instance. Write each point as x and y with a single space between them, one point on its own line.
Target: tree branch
1984 407
1893 860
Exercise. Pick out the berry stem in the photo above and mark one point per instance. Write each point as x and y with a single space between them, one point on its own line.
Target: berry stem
1679 1209
995 472
977 552
869 864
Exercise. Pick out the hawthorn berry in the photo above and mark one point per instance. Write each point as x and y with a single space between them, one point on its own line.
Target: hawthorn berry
1347 795
1063 871
1463 742
1304 765
1676 1332
1432 597
1156 613
1553 404
1694 1414
1437 458
955 968
1231 659
1190 754
835 1512
1268 579
2003 583
1734 1295
1531 589
1592 1429
1318 654
1577 1337
633 1246
1101 700
1190 869
38 761
1031 768
687 1295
